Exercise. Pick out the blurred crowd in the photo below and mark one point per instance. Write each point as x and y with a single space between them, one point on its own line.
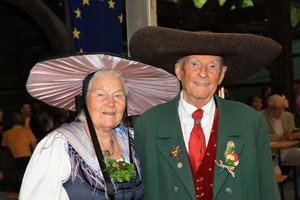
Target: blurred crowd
283 122
20 131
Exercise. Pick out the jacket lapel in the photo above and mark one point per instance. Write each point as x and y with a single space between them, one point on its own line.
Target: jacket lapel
224 136
169 137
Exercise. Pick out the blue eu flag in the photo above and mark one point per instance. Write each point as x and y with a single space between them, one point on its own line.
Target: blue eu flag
97 25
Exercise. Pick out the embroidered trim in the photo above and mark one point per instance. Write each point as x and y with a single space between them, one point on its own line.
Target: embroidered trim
74 135
92 176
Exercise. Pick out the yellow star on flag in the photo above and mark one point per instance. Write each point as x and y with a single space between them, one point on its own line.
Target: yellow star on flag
111 4
120 18
86 2
76 33
78 13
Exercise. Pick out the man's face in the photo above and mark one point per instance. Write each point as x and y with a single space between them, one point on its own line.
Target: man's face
277 108
26 109
200 76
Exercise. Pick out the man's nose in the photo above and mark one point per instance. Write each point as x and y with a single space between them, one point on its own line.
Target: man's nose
203 72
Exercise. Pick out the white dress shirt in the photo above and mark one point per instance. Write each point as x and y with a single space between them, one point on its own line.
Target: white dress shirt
185 111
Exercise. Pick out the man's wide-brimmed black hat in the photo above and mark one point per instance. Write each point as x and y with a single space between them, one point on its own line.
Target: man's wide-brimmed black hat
244 54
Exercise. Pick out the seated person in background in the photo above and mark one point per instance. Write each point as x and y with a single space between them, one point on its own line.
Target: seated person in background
20 141
281 122
282 127
10 180
255 102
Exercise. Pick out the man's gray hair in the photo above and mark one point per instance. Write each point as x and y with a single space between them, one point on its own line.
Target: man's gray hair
81 115
275 98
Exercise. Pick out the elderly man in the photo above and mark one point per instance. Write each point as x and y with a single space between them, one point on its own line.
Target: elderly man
281 122
282 126
223 155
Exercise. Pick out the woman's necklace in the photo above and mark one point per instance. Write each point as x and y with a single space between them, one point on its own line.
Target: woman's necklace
109 152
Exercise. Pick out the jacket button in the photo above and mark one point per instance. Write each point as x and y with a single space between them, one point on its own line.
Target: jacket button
228 190
175 189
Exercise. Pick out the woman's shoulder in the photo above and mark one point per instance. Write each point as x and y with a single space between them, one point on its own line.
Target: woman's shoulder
70 131
53 138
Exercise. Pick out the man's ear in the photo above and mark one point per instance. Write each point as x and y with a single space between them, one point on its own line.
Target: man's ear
178 71
223 71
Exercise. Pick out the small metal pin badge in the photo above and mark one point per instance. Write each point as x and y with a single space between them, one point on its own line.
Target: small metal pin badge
179 165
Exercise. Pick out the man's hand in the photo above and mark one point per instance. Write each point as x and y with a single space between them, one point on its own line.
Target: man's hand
293 135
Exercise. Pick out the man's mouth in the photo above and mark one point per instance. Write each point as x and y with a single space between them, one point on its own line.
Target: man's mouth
201 84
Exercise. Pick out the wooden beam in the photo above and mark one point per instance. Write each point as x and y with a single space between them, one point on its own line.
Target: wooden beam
282 77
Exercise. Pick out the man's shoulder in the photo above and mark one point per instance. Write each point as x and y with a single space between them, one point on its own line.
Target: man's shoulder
157 113
158 109
13 129
238 111
287 114
235 105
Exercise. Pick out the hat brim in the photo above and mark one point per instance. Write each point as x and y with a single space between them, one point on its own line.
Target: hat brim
57 81
244 54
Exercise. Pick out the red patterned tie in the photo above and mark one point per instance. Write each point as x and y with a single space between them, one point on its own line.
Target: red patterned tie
197 143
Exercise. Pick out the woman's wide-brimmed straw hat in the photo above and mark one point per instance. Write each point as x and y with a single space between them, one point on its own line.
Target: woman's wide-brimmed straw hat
57 81
244 54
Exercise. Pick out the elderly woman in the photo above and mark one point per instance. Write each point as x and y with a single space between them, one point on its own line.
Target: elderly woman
92 157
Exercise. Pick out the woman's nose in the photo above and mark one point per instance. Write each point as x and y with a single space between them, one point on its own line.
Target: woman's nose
110 101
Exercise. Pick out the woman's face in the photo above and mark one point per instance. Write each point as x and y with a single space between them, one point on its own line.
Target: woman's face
106 101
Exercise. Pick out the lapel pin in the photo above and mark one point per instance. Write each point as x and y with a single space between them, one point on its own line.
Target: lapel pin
175 152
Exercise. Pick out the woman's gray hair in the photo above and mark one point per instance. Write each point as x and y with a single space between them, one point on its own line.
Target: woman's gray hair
81 115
